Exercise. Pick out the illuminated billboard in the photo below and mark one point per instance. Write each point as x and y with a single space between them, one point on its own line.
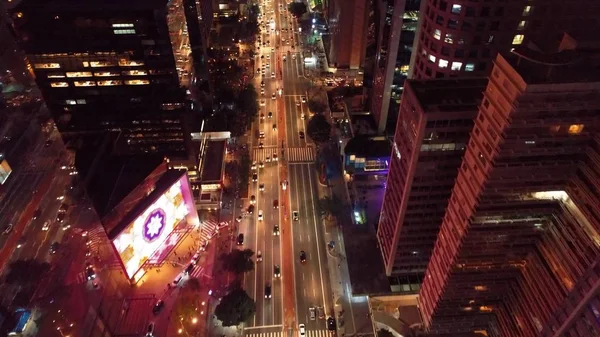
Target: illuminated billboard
147 235
5 170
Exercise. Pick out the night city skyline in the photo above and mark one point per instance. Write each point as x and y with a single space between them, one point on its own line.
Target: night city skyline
300 168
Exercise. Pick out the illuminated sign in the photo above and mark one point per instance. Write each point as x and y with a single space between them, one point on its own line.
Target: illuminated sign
5 171
148 235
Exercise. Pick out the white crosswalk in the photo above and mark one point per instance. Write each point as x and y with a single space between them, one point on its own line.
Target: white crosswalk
309 333
291 154
209 229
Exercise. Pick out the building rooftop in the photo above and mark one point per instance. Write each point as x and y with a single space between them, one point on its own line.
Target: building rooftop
439 95
212 168
89 5
370 147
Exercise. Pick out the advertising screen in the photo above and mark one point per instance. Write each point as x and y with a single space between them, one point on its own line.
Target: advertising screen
5 171
149 231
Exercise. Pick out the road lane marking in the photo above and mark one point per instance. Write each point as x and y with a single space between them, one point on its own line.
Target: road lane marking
317 239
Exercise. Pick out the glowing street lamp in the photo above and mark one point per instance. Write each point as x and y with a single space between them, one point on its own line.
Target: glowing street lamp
194 320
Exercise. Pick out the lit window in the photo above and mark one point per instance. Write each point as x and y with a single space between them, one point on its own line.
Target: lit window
79 74
575 129
59 84
518 39
106 74
527 10
485 308
135 72
56 75
128 63
46 65
137 82
81 101
456 9
522 25
456 66
470 67
432 58
84 83
109 83
449 38
437 34
124 31
85 64
99 64
122 25
480 288
71 102
443 63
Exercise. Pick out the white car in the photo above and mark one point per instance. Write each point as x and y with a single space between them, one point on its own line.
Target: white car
303 99
46 225
302 330
260 215
262 102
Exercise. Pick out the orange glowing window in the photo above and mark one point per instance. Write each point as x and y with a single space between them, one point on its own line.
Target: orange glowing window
481 288
484 308
575 129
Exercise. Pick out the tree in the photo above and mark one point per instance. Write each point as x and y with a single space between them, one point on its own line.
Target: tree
26 272
248 102
384 333
297 8
316 106
318 129
238 261
333 206
235 308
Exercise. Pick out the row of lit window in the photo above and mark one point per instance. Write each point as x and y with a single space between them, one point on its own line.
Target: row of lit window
457 9
98 74
124 31
92 64
107 83
455 66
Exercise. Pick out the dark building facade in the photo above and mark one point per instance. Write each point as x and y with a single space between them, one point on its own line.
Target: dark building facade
349 22
461 38
518 249
431 135
107 65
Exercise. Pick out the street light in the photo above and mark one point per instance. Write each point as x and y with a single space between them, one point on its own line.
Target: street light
194 320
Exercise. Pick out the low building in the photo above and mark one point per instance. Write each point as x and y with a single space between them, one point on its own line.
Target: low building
364 155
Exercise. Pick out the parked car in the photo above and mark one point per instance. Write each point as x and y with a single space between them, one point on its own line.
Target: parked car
240 239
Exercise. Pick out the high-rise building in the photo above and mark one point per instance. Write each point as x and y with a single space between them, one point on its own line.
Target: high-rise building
346 43
461 38
517 253
395 32
110 65
432 131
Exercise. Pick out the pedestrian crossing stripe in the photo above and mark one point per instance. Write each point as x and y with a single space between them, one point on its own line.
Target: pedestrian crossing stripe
309 333
290 154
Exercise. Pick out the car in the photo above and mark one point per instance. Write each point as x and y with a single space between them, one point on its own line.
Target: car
284 185
268 159
204 246
261 135
250 209
276 271
275 204
284 58
240 239
302 256
262 83
60 217
295 215
261 187
294 56
274 127
302 330
150 330
268 55
89 271
46 225
48 143
320 312
297 103
177 279
261 145
260 215
301 134
312 312
267 291
238 219
36 214
274 156
272 75
302 116
254 177
273 96
21 242
63 208
303 99
261 164
252 199
8 228
331 324
262 92
262 101
257 71
158 306
276 230
258 256
270 114
54 247
253 167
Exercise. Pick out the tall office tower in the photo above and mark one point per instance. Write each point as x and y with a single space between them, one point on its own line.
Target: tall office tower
109 65
432 131
199 18
397 24
518 253
346 45
461 38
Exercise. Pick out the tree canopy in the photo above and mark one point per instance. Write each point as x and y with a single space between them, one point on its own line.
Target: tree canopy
235 308
26 272
297 8
238 261
333 206
316 106
318 129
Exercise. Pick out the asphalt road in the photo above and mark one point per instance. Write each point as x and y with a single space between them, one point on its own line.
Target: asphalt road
310 279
